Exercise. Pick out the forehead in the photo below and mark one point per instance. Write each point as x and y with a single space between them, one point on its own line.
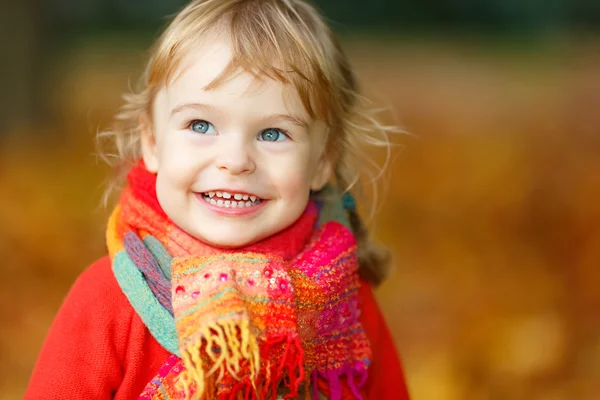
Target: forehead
205 64
205 60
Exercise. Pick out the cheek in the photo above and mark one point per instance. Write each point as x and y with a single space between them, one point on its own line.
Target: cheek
172 189
164 194
293 186
176 163
292 177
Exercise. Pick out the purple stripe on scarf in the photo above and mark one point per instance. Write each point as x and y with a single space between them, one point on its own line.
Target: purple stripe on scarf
146 263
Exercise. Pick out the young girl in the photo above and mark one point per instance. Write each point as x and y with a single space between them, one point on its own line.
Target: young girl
236 268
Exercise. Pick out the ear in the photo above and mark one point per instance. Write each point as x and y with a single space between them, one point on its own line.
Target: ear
149 151
322 174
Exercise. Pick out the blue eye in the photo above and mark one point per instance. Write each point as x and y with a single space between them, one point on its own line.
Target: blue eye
272 135
203 127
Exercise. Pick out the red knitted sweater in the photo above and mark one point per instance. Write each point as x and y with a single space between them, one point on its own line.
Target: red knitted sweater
99 348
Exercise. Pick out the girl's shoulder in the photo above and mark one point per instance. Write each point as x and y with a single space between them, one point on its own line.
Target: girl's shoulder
386 375
98 280
98 273
96 296
97 347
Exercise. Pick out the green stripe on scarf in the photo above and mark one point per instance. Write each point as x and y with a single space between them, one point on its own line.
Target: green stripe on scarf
160 323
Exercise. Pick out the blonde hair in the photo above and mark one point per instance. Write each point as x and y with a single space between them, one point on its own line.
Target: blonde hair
285 40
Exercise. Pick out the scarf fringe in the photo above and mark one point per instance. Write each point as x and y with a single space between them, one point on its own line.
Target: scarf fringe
226 347
355 378
289 373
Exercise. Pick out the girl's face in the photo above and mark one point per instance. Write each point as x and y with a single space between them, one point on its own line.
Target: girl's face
234 164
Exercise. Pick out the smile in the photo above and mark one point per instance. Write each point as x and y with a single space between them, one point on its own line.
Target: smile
231 200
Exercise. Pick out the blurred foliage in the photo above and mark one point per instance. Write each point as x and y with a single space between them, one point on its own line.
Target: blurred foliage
491 211
465 15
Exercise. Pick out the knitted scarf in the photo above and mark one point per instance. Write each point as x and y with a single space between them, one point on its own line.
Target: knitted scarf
278 317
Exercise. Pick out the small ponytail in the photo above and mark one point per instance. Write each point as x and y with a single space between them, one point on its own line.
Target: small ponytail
374 261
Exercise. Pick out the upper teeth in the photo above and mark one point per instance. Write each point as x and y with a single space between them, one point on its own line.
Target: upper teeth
236 196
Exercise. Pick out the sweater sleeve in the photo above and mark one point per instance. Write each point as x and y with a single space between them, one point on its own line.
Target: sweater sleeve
386 378
83 354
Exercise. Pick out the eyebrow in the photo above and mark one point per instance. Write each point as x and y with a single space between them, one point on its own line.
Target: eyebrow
301 122
296 120
195 106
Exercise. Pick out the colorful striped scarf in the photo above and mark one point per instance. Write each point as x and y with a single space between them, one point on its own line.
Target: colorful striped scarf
276 317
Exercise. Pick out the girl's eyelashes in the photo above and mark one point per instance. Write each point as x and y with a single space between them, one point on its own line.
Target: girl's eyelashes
202 127
273 135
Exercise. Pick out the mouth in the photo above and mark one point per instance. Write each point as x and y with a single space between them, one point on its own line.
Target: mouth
231 199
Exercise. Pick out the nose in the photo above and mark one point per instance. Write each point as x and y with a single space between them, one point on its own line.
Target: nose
235 155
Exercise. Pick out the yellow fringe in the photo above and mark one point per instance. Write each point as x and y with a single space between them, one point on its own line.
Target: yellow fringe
224 336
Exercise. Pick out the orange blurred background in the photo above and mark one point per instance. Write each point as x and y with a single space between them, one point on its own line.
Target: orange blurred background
490 208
